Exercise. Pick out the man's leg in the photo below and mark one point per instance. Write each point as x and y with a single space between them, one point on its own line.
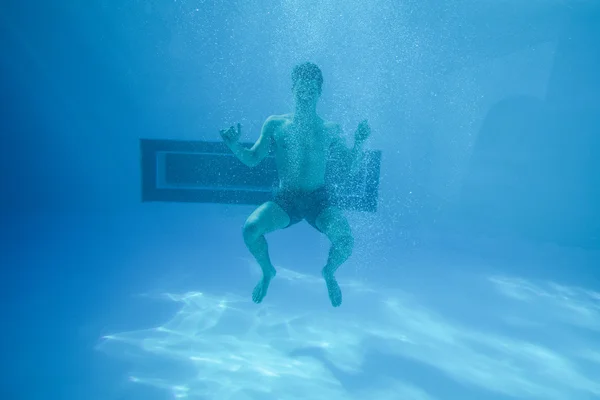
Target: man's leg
266 218
334 224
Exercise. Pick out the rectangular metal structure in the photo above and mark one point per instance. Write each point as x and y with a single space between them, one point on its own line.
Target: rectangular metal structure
207 172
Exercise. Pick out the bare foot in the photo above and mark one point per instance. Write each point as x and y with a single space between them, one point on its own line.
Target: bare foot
260 291
333 289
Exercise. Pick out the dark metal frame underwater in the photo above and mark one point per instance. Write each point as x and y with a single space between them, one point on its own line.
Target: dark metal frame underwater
207 172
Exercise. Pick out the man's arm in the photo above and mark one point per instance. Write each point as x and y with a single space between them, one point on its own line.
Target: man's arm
354 155
254 155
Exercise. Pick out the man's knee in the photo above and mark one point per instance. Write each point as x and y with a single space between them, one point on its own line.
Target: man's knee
344 244
251 231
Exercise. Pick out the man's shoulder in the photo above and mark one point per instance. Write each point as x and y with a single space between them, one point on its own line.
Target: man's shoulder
273 124
333 128
278 119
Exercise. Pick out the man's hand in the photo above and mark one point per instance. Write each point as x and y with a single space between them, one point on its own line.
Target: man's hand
362 132
231 135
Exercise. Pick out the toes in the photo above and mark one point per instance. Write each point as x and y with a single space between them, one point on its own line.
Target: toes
257 295
336 299
260 291
334 291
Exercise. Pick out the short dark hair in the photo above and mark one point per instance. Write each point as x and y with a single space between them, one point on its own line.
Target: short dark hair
308 71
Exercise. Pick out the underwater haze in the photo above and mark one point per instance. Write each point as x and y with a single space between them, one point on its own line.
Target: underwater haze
476 277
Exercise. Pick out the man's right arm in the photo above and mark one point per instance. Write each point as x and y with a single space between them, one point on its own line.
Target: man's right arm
254 155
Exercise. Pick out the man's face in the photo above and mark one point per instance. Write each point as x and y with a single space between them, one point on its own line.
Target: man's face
306 90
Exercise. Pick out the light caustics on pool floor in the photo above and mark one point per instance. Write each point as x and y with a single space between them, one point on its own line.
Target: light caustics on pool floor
225 347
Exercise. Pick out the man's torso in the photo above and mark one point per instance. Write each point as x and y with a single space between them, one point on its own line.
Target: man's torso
301 152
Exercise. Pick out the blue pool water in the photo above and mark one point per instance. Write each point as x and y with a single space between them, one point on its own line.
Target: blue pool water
476 278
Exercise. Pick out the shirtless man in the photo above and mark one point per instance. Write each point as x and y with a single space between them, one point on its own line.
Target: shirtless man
301 142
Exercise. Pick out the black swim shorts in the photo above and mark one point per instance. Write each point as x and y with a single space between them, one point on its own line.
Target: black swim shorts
301 205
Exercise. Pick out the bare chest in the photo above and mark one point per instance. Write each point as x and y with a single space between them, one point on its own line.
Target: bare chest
302 142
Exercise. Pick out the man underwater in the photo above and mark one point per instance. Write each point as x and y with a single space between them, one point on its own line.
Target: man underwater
301 143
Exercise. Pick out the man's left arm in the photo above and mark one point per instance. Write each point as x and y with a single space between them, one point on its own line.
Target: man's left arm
356 153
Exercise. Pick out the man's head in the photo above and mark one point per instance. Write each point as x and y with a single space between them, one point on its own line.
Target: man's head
307 81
